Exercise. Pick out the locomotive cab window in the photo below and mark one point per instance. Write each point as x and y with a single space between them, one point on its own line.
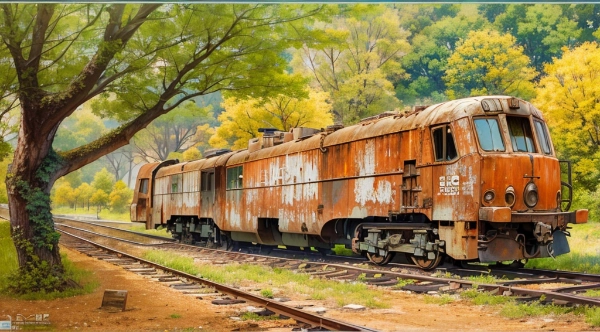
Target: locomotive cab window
488 132
144 186
443 143
542 136
234 177
521 135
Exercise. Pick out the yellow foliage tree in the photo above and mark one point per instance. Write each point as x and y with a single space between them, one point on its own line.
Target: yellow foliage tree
569 94
489 63
191 154
242 118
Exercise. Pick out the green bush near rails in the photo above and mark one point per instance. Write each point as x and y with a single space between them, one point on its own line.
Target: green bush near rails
9 262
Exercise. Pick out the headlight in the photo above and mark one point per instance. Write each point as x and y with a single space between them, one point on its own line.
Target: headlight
530 195
509 196
489 196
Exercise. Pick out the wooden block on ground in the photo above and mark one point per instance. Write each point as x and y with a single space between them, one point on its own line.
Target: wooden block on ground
115 299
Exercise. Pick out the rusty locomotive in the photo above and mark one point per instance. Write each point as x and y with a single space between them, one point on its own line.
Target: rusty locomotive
473 179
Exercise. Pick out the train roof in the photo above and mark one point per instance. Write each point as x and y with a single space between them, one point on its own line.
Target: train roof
384 124
392 123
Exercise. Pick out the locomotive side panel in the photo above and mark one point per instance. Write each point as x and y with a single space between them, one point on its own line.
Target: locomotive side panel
457 186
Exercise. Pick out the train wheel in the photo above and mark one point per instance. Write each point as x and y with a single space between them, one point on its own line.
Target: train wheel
226 243
427 264
380 260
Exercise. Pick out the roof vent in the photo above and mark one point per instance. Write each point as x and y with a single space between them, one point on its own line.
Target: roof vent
215 152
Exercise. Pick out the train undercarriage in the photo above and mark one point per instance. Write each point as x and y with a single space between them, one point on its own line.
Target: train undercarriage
379 240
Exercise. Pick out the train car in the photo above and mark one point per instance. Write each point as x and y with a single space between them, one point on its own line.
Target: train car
474 179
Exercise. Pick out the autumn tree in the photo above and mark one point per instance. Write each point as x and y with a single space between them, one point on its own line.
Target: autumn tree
487 62
139 61
120 197
242 118
569 94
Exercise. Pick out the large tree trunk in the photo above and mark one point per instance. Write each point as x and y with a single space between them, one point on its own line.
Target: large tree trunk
28 183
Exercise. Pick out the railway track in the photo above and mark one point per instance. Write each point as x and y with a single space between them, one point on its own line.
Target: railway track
193 285
560 287
563 287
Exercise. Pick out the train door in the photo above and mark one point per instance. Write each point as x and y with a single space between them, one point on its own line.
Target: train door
142 201
207 196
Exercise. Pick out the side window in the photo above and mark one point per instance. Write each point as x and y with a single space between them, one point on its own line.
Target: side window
144 186
176 183
443 143
234 177
207 180
542 136
521 136
488 132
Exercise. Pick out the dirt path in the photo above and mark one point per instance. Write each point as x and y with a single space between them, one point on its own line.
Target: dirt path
155 307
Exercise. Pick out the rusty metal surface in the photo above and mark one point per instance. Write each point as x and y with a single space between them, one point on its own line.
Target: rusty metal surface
141 201
376 168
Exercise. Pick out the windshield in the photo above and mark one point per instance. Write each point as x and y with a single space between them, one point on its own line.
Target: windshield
542 135
521 135
488 132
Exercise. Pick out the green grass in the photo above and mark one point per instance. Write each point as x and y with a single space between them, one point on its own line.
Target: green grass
8 253
267 293
9 263
256 317
483 298
341 250
276 280
180 263
510 308
440 299
483 279
104 214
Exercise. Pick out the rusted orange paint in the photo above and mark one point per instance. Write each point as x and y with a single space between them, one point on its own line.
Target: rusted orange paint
380 167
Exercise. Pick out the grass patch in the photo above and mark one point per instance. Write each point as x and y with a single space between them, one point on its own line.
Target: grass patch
440 299
403 282
592 293
483 298
584 255
483 279
8 253
180 263
84 278
519 310
267 293
104 214
592 316
277 278
256 317
9 263
341 250
174 316
573 261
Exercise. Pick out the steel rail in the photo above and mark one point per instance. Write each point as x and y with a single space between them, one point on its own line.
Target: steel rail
277 307
96 223
501 288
